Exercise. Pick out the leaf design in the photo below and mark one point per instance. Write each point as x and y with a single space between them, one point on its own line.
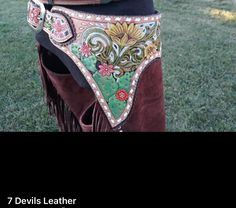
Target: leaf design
117 107
107 85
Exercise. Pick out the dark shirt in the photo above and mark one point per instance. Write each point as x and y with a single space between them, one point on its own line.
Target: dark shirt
122 7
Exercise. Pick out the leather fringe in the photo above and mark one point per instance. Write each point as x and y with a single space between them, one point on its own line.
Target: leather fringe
66 120
100 122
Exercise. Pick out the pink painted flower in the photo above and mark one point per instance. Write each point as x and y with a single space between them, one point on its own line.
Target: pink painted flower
106 70
34 14
122 95
85 50
58 27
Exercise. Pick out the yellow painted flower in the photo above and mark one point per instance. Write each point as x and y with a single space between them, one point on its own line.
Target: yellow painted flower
124 34
150 50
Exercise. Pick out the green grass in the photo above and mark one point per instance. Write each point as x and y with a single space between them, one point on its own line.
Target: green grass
199 67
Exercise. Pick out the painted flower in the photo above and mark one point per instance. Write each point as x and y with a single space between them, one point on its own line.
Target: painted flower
106 70
34 13
85 50
124 34
150 50
122 95
58 28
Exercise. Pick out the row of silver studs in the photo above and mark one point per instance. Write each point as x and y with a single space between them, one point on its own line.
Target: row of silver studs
109 19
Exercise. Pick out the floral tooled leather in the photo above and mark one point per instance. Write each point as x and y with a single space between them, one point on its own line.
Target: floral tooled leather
58 28
33 14
110 51
113 64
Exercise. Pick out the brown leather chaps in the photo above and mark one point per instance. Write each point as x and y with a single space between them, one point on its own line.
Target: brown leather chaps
77 109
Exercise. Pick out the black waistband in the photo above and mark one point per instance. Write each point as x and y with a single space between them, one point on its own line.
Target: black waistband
122 7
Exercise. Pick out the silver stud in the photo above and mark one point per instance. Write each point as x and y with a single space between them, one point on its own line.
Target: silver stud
108 19
93 85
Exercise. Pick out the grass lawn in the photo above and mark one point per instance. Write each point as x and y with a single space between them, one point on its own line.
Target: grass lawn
199 66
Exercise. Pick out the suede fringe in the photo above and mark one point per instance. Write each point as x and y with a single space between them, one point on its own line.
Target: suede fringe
100 122
66 120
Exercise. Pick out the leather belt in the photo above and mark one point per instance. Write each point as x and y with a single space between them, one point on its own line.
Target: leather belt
75 2
39 7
